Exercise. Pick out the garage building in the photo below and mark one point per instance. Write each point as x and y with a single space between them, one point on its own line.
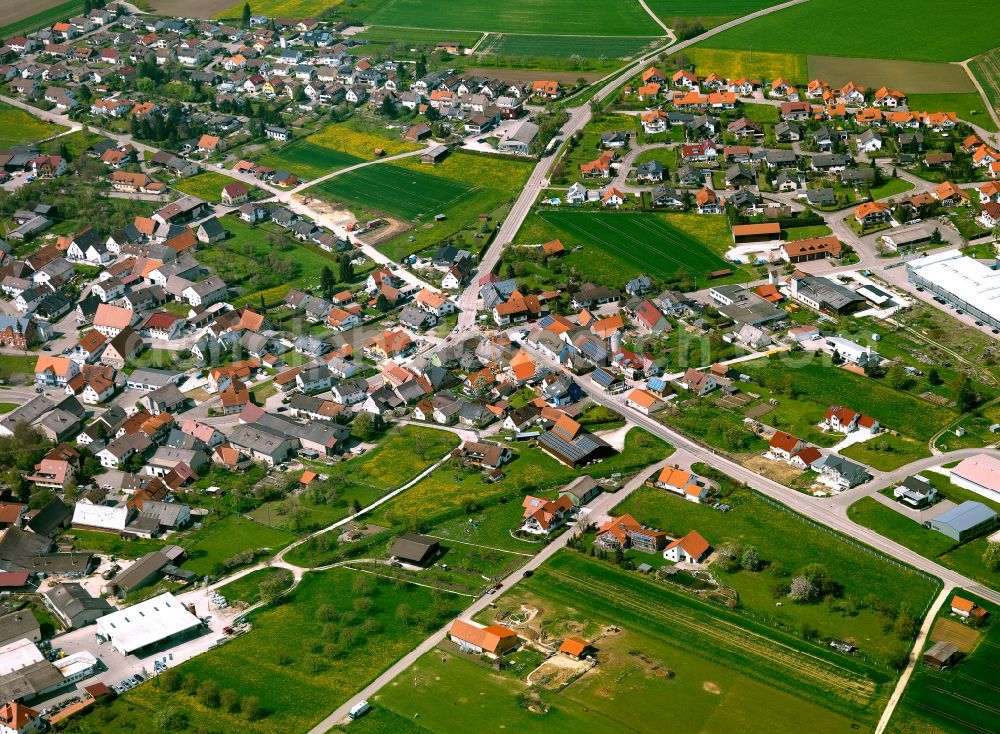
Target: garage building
965 521
147 623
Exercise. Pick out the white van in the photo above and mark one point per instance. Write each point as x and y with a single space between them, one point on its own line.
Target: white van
358 710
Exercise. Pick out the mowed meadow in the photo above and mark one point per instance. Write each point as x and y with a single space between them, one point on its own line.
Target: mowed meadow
584 17
918 30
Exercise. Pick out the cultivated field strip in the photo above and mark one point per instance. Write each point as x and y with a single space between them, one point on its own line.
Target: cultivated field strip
690 625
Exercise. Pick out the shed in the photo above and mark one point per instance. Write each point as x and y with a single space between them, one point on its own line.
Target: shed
420 550
941 655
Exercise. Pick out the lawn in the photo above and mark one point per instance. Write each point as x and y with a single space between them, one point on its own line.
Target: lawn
787 543
42 19
265 260
561 47
206 185
898 527
887 452
891 187
758 671
800 233
322 644
416 36
17 364
827 385
619 246
110 544
7 407
969 107
440 496
208 549
247 588
959 700
334 147
589 17
18 126
401 192
462 187
907 29
733 63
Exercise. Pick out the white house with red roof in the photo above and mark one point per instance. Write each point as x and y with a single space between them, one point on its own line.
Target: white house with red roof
542 516
784 446
684 483
844 420
692 548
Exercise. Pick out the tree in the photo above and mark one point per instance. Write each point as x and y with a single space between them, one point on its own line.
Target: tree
229 700
801 590
250 706
327 283
420 68
208 693
246 14
382 303
906 625
404 614
896 376
388 107
365 426
936 238
963 393
991 556
933 376
271 587
346 269
170 720
750 560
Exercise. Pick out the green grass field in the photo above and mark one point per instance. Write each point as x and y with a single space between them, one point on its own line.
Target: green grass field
787 543
886 453
907 29
700 643
112 545
589 17
308 160
17 364
42 19
206 185
247 588
209 548
301 660
959 700
619 246
401 35
826 386
970 106
397 191
886 521
891 187
18 126
558 46
462 187
986 69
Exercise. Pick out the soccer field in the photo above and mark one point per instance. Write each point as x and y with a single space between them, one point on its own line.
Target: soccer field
626 244
402 192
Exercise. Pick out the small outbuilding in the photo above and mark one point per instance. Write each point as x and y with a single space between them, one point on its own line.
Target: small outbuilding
942 655
418 550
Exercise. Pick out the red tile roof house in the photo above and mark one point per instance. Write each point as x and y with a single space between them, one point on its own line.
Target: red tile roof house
683 483
235 193
542 516
966 608
494 641
844 420
626 532
689 549
784 446
698 382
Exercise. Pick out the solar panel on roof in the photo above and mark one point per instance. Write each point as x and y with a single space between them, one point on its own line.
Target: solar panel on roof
602 378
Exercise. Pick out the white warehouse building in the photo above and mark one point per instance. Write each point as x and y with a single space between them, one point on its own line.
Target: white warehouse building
147 623
966 284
